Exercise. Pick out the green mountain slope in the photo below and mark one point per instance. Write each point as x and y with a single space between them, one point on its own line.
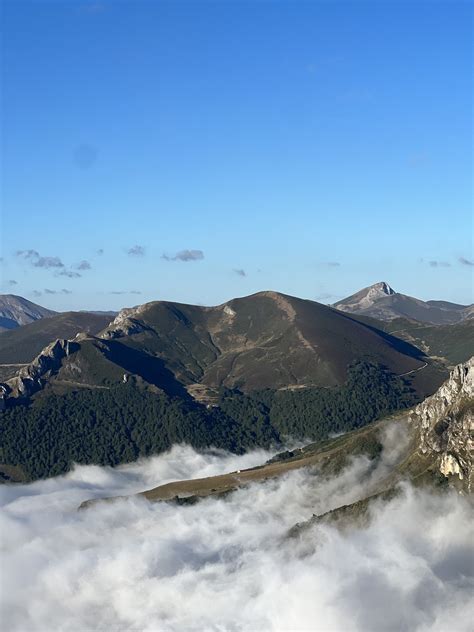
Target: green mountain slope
451 344
267 340
247 373
429 443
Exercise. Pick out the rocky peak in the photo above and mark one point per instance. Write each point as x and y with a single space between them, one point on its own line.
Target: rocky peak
382 288
375 292
446 425
366 298
29 379
126 322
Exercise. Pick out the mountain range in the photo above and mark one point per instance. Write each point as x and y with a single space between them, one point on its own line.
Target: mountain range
80 387
267 340
382 302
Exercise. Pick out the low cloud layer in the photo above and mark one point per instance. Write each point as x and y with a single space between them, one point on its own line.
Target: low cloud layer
226 564
185 255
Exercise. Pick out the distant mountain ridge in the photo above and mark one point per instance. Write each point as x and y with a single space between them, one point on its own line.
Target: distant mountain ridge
382 302
16 311
21 345
266 340
235 376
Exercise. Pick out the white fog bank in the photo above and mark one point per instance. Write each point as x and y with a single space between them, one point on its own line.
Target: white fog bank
225 564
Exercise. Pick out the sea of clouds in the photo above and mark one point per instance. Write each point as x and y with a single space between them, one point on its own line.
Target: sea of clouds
226 564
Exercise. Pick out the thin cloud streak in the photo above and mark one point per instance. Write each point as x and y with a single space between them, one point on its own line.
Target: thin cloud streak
125 292
185 255
63 291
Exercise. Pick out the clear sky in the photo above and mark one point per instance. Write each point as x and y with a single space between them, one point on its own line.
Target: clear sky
197 151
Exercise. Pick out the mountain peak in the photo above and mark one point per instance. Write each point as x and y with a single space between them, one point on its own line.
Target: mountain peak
382 287
16 311
365 298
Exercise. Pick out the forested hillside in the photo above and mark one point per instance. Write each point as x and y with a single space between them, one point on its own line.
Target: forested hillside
122 423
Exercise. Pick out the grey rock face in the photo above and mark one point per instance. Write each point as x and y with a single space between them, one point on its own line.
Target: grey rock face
446 425
29 378
125 323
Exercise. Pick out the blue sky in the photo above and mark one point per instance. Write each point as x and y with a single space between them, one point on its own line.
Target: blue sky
197 151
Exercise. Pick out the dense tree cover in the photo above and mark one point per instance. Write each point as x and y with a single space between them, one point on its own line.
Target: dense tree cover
314 413
120 424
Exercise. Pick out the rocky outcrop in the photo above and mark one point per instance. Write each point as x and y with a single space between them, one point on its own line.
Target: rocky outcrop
126 323
446 425
30 378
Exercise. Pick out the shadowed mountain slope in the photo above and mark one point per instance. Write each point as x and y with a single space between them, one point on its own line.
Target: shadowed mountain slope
267 340
23 344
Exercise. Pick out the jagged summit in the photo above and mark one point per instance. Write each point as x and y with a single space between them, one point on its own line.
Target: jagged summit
383 302
384 287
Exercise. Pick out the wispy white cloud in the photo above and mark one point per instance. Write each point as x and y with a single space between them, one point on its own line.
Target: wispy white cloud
439 264
136 251
63 291
83 265
38 261
125 292
185 255
70 274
